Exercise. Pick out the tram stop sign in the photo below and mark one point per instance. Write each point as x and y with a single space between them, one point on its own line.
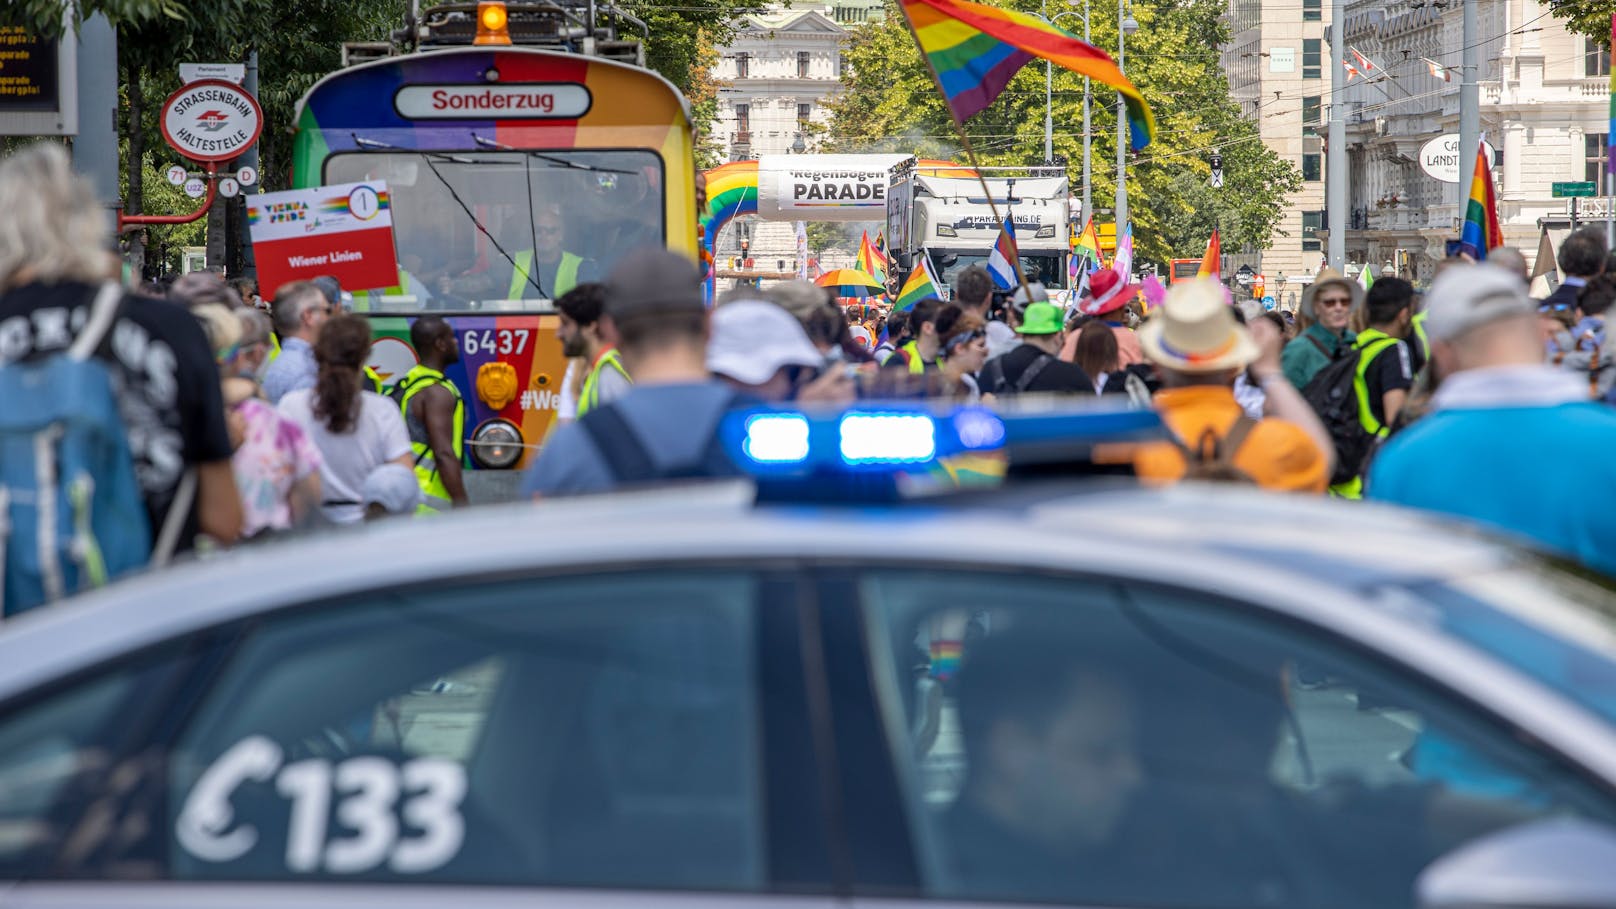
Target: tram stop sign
211 120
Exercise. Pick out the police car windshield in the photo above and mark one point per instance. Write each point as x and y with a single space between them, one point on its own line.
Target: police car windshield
1547 619
501 230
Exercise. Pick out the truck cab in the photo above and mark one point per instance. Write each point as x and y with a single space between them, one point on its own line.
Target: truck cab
955 224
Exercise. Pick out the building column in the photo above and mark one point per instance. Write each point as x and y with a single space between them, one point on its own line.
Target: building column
1514 147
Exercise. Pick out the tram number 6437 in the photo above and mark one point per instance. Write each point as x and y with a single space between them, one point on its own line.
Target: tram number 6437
504 342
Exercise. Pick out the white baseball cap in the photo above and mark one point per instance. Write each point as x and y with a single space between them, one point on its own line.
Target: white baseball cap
751 341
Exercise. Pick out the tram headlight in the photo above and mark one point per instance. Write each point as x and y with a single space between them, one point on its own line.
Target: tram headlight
493 23
496 445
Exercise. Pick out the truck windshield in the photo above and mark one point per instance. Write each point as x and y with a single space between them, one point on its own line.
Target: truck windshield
1048 268
504 229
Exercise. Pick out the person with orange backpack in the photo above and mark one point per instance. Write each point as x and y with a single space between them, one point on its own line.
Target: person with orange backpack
1199 348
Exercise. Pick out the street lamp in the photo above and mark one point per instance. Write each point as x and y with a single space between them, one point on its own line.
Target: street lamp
1126 25
1049 117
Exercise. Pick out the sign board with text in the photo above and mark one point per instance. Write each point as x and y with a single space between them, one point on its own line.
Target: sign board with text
211 120
827 187
1440 157
1578 189
38 84
344 230
196 72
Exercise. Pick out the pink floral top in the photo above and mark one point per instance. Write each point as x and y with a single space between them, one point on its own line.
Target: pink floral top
274 455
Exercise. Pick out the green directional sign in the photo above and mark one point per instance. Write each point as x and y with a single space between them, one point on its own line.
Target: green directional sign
1577 188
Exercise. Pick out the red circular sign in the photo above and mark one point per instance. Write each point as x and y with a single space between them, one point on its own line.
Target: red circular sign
211 120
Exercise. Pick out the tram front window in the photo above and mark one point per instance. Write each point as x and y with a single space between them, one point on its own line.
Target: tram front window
489 229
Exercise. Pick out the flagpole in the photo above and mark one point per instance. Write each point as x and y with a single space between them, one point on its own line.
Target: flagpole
965 142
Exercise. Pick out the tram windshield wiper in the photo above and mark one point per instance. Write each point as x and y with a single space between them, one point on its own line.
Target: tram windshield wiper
431 157
550 159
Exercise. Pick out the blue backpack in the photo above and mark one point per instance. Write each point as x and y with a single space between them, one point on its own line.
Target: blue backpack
71 512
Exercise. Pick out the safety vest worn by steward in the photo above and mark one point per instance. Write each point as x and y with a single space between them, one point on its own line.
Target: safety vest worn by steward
1369 345
589 398
566 274
426 466
917 365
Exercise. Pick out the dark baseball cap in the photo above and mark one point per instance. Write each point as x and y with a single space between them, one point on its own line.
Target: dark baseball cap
654 282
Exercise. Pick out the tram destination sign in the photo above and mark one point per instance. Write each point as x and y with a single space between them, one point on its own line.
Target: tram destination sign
512 101
211 120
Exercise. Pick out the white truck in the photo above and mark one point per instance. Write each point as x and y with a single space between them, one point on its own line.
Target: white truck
952 221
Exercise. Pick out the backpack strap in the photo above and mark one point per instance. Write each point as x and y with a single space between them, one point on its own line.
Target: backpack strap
1236 437
1031 373
993 380
103 310
625 455
1224 449
1315 342
178 510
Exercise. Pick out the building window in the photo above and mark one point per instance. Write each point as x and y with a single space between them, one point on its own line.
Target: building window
802 64
1312 166
1312 223
743 118
1596 60
1311 106
743 66
1312 58
805 112
1312 10
1595 153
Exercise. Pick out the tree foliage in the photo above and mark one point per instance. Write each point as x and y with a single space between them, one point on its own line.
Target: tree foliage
891 104
1586 17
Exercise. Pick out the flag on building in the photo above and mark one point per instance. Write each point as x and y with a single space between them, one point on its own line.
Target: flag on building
1212 259
974 49
1438 71
921 284
1352 71
1365 65
802 251
1004 260
870 261
1481 231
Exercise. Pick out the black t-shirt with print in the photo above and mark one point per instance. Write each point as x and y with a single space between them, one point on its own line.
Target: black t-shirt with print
1390 370
164 376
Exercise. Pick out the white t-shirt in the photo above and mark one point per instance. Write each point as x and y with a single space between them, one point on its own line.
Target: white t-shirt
377 438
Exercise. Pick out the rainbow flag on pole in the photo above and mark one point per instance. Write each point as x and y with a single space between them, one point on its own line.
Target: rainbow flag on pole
870 259
1085 251
1611 152
1212 259
974 49
1481 231
921 284
1003 260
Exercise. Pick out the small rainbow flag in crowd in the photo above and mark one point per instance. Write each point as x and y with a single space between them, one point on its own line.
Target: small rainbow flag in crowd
921 284
1481 231
974 49
870 259
1212 259
1085 250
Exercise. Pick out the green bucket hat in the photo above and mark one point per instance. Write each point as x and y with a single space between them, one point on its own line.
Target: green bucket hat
1042 319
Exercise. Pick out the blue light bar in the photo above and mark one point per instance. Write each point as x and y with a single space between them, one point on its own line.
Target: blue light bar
776 438
888 438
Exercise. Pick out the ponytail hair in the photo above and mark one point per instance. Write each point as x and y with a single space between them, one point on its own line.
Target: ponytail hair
340 350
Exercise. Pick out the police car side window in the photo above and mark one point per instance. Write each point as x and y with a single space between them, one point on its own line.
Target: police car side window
587 731
1076 740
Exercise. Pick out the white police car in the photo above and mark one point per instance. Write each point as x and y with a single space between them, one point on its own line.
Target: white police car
1083 695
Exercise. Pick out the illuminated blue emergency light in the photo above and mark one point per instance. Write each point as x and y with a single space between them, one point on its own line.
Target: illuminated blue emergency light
876 439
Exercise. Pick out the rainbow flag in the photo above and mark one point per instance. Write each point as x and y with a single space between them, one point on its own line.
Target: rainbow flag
921 284
870 259
974 49
1211 260
1481 231
1085 250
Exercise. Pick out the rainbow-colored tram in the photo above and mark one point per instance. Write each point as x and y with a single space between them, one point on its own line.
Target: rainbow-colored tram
525 149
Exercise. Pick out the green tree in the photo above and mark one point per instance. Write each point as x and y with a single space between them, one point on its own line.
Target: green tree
891 104
1586 17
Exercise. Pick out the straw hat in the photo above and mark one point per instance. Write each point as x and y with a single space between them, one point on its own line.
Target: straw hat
1195 331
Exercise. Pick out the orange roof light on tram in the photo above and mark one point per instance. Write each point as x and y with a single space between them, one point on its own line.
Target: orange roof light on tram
493 23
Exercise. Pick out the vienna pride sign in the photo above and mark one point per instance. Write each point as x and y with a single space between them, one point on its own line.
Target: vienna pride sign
344 230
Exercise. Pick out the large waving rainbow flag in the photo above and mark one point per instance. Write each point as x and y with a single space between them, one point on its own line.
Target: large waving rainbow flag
974 49
1481 231
921 284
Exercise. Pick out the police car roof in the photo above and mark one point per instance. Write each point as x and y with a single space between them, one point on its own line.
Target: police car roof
1202 537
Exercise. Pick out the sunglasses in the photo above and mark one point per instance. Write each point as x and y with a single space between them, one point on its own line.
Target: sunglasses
1336 301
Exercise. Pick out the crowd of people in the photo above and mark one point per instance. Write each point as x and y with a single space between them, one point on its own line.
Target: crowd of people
239 418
